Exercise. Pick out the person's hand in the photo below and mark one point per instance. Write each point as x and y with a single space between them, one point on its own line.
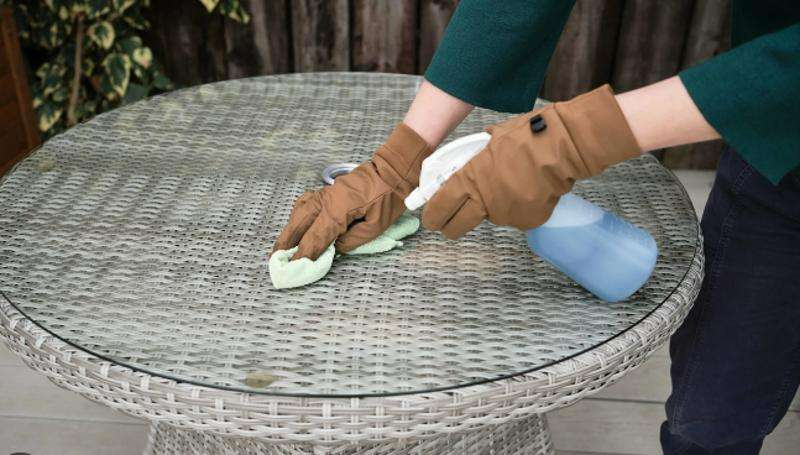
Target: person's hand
530 161
359 206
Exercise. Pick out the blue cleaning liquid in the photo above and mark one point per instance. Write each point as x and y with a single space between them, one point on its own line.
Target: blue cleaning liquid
608 256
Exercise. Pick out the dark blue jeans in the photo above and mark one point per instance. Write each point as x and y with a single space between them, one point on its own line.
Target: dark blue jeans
736 358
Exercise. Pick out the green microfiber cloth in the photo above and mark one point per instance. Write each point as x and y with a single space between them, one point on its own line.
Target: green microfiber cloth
291 274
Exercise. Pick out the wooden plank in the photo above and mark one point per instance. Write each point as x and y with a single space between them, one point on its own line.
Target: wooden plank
651 41
649 383
708 35
698 184
433 18
9 113
383 36
215 44
633 428
8 358
709 32
704 155
261 46
12 138
5 67
603 426
8 29
584 56
187 40
59 437
320 35
29 394
8 92
572 452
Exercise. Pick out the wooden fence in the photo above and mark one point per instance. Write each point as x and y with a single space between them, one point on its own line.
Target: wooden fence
628 43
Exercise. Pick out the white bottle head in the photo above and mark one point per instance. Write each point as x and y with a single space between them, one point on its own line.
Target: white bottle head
443 163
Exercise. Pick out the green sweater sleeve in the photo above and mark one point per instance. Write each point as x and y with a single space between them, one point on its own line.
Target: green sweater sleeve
494 54
751 96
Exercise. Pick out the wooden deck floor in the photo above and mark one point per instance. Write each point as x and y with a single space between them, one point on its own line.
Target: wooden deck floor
38 418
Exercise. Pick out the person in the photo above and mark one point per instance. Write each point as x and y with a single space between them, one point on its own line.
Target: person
736 358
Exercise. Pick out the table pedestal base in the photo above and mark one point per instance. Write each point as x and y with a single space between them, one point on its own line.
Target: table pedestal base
525 436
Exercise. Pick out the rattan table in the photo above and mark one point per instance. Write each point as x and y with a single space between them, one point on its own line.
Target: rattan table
133 270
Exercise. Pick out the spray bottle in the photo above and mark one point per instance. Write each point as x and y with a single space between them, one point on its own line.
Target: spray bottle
608 256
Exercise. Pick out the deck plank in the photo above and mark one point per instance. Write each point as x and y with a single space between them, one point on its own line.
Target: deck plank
29 394
70 437
631 428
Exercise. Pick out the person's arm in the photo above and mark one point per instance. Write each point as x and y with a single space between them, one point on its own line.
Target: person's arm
663 115
751 96
434 114
494 54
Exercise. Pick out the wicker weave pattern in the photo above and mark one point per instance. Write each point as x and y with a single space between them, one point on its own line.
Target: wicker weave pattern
146 246
336 421
527 436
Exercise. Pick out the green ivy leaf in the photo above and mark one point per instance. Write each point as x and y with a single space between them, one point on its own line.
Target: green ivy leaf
117 72
210 4
87 66
50 84
52 37
143 57
162 82
97 8
85 109
136 21
48 115
102 34
51 69
122 5
60 95
135 93
130 44
233 10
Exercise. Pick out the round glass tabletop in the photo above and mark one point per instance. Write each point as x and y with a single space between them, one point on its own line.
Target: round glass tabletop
142 235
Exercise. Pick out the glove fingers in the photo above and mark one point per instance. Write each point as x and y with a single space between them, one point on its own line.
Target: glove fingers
466 219
378 218
317 238
358 234
445 203
305 211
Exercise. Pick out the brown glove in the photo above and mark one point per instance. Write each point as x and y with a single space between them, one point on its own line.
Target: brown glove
360 205
531 160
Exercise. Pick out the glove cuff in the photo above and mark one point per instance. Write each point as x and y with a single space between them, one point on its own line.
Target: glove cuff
598 129
399 159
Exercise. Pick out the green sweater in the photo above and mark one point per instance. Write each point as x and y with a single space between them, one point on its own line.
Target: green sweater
494 54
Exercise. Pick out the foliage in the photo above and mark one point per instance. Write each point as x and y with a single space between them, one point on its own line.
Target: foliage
92 55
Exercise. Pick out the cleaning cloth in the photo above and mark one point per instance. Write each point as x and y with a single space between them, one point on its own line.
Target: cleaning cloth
300 272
